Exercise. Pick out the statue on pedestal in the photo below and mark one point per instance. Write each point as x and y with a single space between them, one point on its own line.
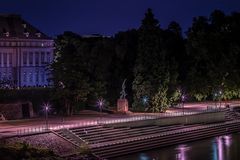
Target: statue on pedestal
122 103
123 93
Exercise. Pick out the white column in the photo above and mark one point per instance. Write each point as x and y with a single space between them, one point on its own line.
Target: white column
7 59
2 59
34 64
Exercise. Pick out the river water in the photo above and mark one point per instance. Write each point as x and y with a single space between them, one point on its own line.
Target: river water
218 148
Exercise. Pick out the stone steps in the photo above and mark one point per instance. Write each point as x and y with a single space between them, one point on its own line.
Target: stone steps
161 141
107 142
115 135
230 115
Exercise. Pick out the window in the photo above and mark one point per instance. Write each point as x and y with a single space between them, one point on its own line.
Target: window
5 59
10 75
36 58
30 77
10 59
30 58
43 77
48 57
24 77
36 78
25 58
42 57
0 59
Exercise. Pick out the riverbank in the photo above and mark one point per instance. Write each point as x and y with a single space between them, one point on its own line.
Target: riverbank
118 139
224 147
41 146
108 143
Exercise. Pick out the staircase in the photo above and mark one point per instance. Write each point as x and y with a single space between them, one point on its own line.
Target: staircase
69 136
109 142
231 115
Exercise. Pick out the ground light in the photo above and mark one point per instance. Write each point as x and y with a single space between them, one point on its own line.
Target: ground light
145 100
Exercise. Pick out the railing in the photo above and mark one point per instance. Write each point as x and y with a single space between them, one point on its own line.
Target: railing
45 129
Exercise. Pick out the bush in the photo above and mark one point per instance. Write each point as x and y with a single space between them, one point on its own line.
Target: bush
25 151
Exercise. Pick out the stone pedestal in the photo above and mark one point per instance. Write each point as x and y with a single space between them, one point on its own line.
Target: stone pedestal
122 105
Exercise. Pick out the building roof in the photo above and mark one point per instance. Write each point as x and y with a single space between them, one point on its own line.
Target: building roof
13 26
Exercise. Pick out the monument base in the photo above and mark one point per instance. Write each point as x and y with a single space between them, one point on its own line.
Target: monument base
122 105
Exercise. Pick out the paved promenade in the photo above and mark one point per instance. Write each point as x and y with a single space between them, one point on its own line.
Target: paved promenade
85 117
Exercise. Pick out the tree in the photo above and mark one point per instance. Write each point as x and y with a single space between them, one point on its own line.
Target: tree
122 64
152 65
146 73
70 80
160 101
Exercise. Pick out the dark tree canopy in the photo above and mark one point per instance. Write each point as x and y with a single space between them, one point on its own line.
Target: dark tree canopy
159 64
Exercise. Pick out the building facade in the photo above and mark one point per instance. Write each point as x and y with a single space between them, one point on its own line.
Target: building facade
25 53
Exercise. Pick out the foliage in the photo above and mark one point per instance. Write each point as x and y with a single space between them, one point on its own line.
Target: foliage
155 65
25 151
80 69
84 149
160 102
212 59
155 62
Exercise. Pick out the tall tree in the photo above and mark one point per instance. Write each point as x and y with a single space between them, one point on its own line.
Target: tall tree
151 69
71 83
122 64
81 67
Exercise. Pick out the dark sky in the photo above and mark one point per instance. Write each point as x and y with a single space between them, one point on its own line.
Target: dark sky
107 17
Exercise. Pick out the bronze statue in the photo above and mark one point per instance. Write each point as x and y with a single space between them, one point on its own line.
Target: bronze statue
123 93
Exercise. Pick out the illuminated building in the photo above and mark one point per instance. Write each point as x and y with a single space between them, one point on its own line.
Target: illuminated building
25 53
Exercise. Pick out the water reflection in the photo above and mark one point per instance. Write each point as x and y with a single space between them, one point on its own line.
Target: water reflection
143 156
219 148
181 152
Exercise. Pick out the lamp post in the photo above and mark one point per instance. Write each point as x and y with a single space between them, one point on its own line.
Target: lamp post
220 98
46 108
61 87
183 99
145 104
46 116
215 99
100 104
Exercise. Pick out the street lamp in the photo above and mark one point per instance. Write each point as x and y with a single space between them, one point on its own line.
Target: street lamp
183 97
46 107
145 100
215 99
62 86
100 104
220 98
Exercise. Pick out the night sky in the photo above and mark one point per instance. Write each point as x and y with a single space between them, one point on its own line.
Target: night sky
107 17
